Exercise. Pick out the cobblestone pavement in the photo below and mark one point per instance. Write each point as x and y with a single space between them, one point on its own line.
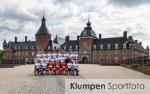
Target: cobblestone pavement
21 80
49 84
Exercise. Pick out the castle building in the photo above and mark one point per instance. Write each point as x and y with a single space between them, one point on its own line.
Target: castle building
90 48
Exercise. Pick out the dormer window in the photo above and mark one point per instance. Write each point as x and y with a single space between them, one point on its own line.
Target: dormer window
108 46
101 46
16 48
94 46
27 47
55 47
32 47
49 47
116 46
76 47
124 46
64 47
70 47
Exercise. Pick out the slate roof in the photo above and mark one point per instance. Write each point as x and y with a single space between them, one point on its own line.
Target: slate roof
22 46
43 29
112 41
51 46
105 41
88 31
69 43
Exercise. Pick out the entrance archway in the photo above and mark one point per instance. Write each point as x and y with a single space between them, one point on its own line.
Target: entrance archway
84 59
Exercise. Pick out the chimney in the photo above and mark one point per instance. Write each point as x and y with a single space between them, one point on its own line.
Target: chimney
136 41
67 38
25 38
100 36
140 43
78 38
130 37
125 34
15 39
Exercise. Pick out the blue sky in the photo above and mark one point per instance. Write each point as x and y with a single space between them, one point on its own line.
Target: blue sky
68 17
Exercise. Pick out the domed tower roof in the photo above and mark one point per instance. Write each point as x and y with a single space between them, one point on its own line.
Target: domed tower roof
88 30
43 29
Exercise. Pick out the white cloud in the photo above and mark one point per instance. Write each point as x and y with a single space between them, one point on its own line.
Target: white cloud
69 17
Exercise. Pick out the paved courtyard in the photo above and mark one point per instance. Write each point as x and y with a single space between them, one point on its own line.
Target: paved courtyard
21 80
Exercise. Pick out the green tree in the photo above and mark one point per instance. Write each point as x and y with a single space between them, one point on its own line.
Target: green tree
1 54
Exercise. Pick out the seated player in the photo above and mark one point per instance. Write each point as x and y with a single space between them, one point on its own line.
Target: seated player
54 71
64 68
50 67
57 67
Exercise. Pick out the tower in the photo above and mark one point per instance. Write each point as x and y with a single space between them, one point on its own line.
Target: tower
147 48
42 36
86 40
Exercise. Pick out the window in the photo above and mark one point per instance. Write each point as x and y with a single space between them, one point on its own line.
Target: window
18 53
54 47
116 59
23 53
124 46
32 53
49 47
94 58
108 46
101 46
124 51
32 47
108 52
15 48
101 59
94 46
100 52
116 46
108 59
64 47
94 52
26 53
70 47
27 47
116 51
124 58
76 47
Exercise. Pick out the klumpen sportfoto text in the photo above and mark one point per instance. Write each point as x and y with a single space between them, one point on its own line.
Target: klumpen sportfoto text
109 86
